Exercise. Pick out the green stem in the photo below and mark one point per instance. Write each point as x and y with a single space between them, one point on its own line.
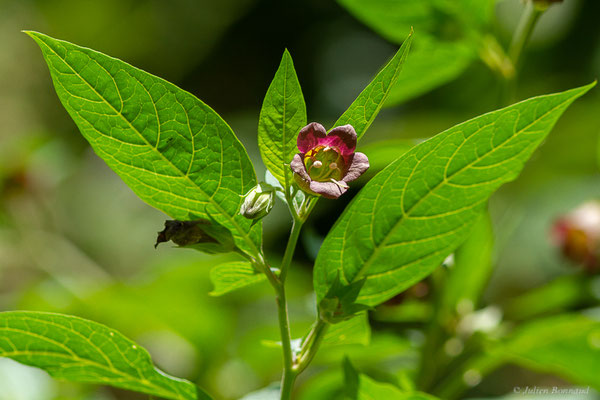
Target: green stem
289 375
290 248
290 371
265 269
521 36
529 18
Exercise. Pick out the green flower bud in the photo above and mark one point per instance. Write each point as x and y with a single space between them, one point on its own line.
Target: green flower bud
258 202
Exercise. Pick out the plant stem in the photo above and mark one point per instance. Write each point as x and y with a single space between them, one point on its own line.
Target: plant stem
289 375
271 277
530 16
290 248
524 29
289 371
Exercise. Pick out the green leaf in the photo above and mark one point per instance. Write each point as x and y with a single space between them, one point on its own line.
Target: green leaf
419 209
565 345
392 18
432 63
367 105
282 116
352 331
172 150
76 349
362 387
232 276
470 13
472 267
435 60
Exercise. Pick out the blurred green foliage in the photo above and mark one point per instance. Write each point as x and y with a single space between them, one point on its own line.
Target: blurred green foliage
75 239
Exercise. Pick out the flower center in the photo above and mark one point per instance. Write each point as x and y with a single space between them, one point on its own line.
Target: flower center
324 163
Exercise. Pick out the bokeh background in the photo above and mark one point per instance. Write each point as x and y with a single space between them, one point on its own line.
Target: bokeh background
75 239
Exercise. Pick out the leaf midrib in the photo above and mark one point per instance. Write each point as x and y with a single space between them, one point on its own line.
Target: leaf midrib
405 213
210 199
283 129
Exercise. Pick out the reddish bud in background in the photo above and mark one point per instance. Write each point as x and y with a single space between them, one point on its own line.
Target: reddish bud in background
578 235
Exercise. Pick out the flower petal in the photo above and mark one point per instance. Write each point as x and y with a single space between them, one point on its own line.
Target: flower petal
330 190
298 167
310 136
358 165
343 137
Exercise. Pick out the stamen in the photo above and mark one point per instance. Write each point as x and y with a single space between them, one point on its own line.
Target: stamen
333 165
341 184
317 164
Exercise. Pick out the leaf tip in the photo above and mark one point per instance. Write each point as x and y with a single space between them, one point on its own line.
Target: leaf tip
287 56
586 88
409 38
37 36
30 33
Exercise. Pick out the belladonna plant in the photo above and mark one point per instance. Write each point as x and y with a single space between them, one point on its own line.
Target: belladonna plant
181 157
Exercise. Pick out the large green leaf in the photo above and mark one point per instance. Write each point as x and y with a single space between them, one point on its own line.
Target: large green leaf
565 345
415 212
173 150
364 109
76 349
282 116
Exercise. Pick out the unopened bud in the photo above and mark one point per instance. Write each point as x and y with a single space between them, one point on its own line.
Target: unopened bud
258 202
